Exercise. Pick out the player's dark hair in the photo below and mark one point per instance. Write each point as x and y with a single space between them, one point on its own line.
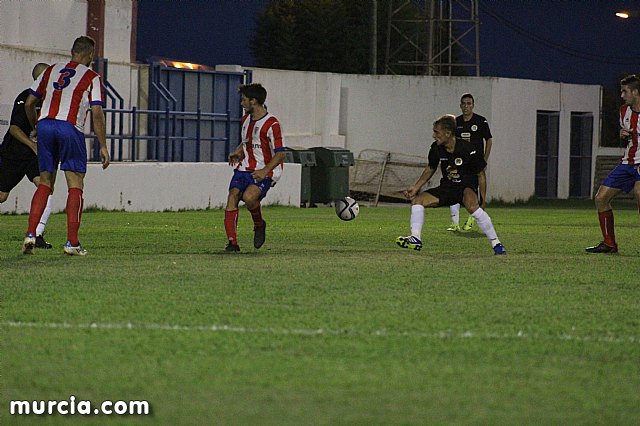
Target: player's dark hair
446 122
467 95
82 45
254 91
633 81
38 69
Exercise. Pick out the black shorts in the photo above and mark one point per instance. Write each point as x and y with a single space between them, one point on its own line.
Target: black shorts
447 195
479 145
12 171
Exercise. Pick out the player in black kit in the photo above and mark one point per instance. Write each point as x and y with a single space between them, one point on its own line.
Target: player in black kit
18 156
460 164
475 129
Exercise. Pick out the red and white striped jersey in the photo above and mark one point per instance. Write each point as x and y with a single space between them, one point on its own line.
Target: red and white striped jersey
68 90
261 139
629 121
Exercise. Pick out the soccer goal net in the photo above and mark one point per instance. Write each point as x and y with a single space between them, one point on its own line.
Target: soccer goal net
385 174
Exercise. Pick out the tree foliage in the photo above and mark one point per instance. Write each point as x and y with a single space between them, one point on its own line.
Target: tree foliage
313 35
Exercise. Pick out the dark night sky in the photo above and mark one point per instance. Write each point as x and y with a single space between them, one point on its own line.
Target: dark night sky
559 40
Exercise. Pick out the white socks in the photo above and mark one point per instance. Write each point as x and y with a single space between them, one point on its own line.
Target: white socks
417 220
44 218
455 214
484 223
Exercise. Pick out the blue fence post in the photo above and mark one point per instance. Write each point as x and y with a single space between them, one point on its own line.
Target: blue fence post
228 135
166 135
198 135
133 133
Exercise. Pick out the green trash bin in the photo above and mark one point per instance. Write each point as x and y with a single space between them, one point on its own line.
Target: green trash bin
330 179
307 159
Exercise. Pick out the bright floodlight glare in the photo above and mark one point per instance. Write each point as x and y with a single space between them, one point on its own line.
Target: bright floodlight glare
623 15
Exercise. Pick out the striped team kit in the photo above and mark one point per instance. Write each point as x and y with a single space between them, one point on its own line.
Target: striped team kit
68 91
627 173
261 140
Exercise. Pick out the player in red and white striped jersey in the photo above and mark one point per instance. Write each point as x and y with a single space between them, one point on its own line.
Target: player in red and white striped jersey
626 176
258 164
67 90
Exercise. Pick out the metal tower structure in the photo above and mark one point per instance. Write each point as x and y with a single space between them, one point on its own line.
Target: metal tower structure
433 37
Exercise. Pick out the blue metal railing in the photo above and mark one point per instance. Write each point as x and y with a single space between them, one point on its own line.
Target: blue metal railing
168 146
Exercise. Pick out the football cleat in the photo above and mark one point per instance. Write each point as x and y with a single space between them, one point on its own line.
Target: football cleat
602 248
468 225
42 243
259 235
499 249
232 248
410 242
28 244
453 227
74 250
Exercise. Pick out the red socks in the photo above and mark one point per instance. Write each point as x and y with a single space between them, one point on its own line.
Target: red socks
38 204
606 225
231 225
256 215
74 214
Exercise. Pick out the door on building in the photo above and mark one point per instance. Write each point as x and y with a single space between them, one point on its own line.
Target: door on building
580 157
547 135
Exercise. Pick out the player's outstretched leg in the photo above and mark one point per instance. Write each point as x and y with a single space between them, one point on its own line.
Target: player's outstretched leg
608 244
417 221
231 228
74 215
40 241
485 224
454 210
38 204
259 227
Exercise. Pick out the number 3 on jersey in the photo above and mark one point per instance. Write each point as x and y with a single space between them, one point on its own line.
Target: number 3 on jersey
65 78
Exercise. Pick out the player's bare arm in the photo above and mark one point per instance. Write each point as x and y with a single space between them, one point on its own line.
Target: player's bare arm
100 129
260 174
18 134
424 178
30 109
487 149
625 133
236 156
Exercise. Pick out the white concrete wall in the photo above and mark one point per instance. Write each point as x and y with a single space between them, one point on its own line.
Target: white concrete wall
33 31
395 113
156 187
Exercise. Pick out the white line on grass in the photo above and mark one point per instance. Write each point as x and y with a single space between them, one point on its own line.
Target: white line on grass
448 334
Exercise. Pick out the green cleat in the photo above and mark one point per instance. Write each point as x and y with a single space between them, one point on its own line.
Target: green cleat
454 227
468 225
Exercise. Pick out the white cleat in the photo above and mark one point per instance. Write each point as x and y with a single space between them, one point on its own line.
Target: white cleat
28 244
74 251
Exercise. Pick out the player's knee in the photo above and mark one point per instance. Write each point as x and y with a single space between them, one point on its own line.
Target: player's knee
3 196
251 202
601 198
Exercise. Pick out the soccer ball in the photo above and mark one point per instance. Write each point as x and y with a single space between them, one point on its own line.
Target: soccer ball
347 208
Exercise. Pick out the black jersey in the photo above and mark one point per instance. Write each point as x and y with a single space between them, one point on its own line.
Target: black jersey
11 147
476 130
459 168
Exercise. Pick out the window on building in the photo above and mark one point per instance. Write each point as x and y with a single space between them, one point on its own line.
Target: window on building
580 157
547 134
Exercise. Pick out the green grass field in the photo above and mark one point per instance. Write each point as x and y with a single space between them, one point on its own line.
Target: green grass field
330 322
